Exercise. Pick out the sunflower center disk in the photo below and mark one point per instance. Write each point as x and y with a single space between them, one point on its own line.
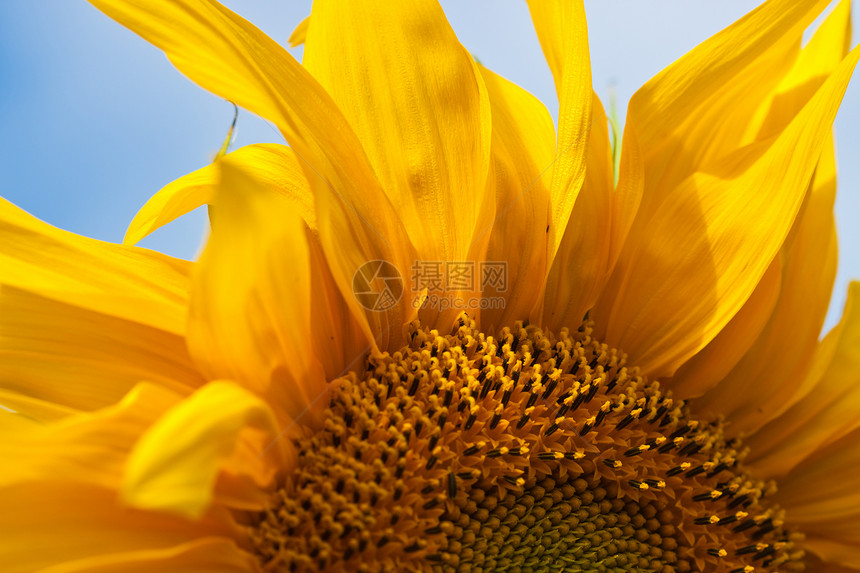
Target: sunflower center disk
521 452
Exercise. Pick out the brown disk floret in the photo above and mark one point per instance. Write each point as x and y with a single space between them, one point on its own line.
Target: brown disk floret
524 452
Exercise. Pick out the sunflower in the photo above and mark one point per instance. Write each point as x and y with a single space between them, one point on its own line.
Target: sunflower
434 334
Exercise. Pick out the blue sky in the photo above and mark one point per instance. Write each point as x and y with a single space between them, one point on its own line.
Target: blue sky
95 120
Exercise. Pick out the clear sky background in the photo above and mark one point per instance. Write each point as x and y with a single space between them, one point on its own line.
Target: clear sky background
95 120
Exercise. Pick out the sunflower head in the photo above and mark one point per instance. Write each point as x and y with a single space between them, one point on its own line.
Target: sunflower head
437 331
522 452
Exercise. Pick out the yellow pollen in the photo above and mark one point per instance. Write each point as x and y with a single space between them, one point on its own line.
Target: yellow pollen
468 453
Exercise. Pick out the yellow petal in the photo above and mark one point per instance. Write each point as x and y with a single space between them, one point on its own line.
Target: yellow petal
176 462
250 313
415 97
93 447
339 338
712 364
777 362
584 259
86 447
822 499
836 552
205 555
664 302
629 190
826 408
125 282
563 35
523 146
297 38
172 201
230 57
276 166
771 81
355 236
31 408
697 110
816 565
247 478
51 523
827 47
82 359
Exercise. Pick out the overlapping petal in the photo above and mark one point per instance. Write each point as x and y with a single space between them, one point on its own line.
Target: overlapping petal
416 100
89 447
823 403
250 319
83 321
297 38
204 555
678 284
88 521
78 358
697 110
808 259
817 60
822 500
563 35
175 464
776 363
680 122
128 283
523 149
274 165
33 409
230 57
585 254
709 367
